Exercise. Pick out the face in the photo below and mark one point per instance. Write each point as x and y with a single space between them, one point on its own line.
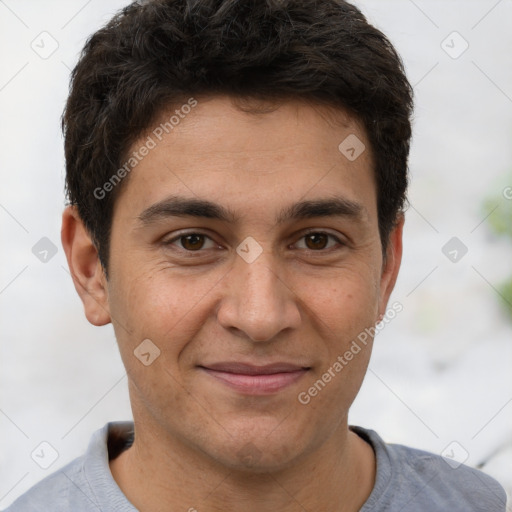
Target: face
246 248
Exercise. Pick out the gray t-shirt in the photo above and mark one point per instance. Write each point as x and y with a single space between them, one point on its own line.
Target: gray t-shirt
407 480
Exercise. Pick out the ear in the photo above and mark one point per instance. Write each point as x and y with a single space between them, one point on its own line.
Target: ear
85 267
391 266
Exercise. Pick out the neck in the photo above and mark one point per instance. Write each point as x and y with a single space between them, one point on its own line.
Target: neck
158 473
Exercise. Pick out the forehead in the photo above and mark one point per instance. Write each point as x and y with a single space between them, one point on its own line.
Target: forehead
256 154
253 126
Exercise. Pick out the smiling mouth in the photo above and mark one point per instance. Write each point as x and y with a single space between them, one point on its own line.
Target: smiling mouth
255 380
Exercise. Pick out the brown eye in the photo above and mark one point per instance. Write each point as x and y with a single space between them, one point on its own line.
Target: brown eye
319 241
316 241
192 242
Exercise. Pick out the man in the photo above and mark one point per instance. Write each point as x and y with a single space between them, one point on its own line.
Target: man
237 173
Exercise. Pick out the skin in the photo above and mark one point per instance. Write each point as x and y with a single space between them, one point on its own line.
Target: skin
297 302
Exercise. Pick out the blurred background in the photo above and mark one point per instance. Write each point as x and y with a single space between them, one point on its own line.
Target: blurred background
440 378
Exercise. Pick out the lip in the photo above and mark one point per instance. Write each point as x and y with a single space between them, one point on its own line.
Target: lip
256 380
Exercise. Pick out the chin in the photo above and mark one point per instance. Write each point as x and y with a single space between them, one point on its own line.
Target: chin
251 459
262 450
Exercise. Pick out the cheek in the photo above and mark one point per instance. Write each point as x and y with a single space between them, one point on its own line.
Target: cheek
342 313
152 305
157 304
343 304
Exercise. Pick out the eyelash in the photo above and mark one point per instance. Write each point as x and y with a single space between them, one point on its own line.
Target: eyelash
340 243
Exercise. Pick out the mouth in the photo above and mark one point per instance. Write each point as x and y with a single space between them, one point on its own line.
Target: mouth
255 380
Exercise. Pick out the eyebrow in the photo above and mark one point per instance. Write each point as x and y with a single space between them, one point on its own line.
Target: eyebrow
177 206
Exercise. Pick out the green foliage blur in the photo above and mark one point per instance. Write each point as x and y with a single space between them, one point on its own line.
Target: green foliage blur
499 211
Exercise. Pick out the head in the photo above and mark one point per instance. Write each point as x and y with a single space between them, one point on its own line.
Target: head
237 173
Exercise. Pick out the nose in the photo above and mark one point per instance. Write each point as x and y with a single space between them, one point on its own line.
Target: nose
258 302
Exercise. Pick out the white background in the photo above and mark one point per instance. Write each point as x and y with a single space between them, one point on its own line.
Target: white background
441 370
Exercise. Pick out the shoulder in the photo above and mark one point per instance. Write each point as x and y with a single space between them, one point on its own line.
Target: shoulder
432 477
56 492
86 483
412 479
